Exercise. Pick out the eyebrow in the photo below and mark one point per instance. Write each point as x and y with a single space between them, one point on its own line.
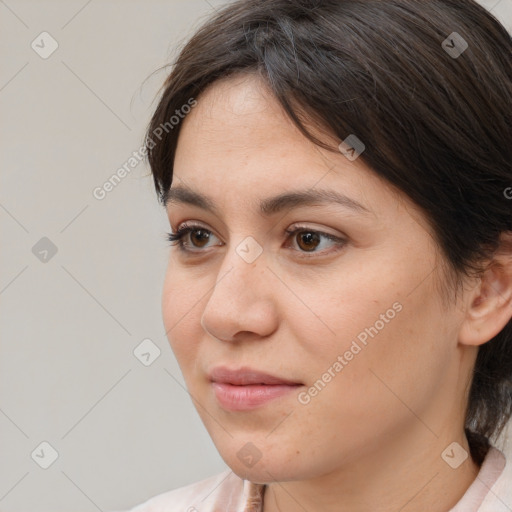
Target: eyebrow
270 205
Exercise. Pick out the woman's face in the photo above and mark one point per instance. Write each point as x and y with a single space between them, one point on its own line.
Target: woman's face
357 322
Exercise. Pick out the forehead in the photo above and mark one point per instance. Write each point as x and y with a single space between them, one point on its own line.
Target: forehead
239 131
238 146
239 116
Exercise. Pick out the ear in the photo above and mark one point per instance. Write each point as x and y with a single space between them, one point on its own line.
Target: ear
490 302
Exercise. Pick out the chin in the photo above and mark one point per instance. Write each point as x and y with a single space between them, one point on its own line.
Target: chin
262 474
265 464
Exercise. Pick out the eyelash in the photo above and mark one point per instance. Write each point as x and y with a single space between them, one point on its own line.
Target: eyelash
184 229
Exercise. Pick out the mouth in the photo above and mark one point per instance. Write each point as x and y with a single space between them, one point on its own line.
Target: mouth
245 389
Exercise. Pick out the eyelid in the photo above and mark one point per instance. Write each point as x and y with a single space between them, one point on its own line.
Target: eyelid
294 227
176 238
305 227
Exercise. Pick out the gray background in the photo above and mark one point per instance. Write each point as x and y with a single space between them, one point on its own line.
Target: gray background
70 321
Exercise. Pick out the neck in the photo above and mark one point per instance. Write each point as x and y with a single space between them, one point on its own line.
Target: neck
407 474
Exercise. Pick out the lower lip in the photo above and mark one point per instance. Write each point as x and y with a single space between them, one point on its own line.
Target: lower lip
244 398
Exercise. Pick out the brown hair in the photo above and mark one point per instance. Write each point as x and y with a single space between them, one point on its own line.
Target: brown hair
435 117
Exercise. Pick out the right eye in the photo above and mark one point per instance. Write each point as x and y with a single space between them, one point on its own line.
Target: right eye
197 234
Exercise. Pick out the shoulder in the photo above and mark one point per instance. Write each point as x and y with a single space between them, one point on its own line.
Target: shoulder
225 490
498 497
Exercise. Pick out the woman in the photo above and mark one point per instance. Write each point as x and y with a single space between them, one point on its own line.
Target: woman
337 176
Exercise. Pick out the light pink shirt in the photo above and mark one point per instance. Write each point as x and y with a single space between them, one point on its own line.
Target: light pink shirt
491 491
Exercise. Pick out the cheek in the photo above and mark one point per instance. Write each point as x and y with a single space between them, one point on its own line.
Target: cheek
370 337
356 301
181 313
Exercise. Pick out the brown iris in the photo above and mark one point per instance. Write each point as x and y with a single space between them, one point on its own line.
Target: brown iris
308 237
201 235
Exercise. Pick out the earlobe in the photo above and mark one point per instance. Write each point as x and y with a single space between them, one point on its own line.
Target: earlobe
491 303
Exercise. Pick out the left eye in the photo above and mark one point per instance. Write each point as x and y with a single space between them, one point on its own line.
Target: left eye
308 241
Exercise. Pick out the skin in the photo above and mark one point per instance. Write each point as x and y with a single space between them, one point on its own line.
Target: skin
372 439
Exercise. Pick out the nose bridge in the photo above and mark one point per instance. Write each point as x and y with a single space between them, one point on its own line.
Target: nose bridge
242 268
239 300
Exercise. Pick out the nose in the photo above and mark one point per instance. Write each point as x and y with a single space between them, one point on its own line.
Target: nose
241 304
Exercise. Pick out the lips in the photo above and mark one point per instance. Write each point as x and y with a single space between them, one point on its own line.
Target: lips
247 376
246 389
